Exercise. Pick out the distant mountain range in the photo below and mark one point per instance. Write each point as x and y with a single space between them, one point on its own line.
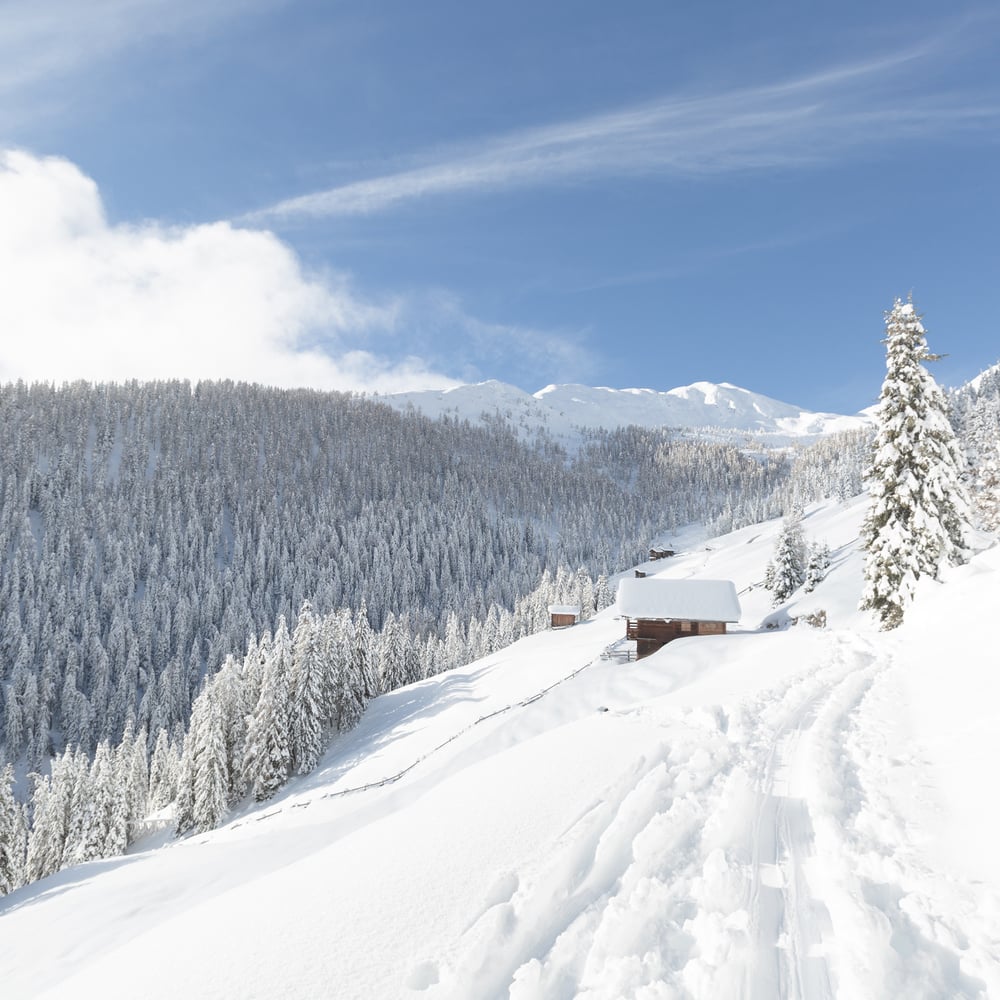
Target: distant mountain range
564 409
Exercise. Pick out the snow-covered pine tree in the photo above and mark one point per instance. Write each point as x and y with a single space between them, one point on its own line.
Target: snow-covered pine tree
392 653
346 699
133 778
82 815
919 506
307 692
184 800
268 757
53 811
603 597
365 666
11 836
211 778
454 643
413 662
585 594
229 692
163 772
786 571
817 564
108 796
506 630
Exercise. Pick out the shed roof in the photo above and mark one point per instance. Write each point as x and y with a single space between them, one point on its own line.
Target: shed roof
685 600
564 609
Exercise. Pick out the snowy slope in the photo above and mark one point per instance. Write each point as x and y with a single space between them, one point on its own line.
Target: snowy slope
772 813
562 408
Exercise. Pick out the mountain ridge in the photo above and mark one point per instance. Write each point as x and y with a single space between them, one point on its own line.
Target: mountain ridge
564 409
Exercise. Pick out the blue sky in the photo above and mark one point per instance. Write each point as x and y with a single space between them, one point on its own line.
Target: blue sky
397 194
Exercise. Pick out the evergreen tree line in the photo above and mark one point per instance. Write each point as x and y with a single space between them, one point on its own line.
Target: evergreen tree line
255 723
148 529
81 810
832 468
975 415
258 722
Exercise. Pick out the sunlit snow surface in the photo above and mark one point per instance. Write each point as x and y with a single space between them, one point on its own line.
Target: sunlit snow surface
773 813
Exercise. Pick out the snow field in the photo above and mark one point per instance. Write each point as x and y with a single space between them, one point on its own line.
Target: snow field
794 813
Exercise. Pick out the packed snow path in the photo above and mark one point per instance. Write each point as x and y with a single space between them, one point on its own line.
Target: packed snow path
691 875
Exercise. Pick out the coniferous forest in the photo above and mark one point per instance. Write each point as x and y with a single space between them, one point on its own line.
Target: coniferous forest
200 584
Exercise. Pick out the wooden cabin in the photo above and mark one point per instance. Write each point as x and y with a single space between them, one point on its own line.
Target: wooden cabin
655 554
658 611
563 615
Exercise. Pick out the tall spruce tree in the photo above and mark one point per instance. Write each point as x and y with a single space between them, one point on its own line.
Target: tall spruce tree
268 755
211 778
11 836
919 506
786 572
306 716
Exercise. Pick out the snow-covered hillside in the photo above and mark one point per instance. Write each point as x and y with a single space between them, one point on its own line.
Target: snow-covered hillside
560 409
778 812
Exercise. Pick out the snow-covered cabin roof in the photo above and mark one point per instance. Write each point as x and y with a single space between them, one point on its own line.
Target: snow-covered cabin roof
684 600
564 609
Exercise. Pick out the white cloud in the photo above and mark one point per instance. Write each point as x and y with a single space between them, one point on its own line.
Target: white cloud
83 299
805 120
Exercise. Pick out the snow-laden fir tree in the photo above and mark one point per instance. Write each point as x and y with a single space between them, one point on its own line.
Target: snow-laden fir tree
230 691
58 799
918 503
786 571
11 835
603 595
163 771
392 647
211 778
268 755
817 563
307 714
110 831
346 686
133 778
365 666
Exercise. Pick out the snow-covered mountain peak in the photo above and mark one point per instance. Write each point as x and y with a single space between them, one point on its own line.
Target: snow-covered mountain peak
563 410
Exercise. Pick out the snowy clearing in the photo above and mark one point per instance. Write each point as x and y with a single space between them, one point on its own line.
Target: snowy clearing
788 812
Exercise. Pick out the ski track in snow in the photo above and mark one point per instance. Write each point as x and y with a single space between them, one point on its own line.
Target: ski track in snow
697 874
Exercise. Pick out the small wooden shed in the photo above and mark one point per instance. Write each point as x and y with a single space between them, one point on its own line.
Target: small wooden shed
655 554
657 611
564 615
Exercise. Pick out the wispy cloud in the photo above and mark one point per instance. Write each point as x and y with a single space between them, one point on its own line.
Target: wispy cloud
45 42
806 120
696 260
474 348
